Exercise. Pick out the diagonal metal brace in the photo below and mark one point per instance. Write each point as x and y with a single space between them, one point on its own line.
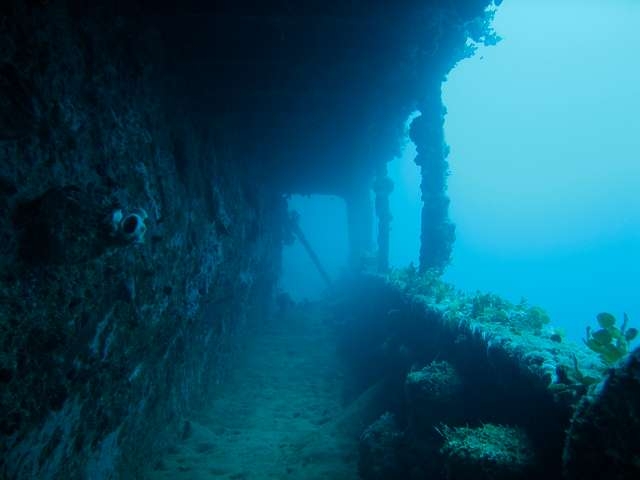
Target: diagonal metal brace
294 218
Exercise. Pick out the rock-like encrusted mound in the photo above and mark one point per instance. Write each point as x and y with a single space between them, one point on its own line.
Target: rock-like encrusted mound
491 452
381 446
433 395
487 362
604 438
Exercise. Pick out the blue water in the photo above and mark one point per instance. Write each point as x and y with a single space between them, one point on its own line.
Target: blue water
545 159
544 130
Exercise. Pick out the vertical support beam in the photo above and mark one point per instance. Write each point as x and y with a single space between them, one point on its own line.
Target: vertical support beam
383 186
427 132
360 224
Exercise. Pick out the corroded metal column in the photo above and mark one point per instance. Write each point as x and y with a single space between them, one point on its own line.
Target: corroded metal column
427 132
382 187
360 225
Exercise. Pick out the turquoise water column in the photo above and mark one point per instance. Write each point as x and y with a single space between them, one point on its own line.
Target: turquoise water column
427 132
